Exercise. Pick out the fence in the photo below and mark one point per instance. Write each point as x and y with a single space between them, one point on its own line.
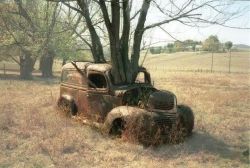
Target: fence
7 69
4 71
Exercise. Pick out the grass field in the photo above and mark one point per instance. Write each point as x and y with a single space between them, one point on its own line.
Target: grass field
35 134
189 61
181 61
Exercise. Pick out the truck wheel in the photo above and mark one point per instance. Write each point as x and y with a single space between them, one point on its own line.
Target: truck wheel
185 120
69 107
117 127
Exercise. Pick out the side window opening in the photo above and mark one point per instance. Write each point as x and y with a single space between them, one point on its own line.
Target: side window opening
98 80
143 77
71 77
64 77
140 78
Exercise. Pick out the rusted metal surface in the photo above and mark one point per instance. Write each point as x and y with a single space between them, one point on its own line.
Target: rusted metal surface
103 102
87 66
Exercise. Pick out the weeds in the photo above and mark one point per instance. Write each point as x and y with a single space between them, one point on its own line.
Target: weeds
34 134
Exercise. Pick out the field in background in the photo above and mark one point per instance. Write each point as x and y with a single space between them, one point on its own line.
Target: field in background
189 61
180 61
33 133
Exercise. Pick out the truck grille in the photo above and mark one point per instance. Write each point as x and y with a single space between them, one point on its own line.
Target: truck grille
167 105
161 100
165 120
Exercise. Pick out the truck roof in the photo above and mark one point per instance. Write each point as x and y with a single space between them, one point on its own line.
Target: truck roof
89 66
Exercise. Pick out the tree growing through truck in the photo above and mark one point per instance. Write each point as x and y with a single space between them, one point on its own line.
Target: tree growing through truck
124 20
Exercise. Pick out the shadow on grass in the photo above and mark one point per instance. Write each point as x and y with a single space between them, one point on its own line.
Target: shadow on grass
200 143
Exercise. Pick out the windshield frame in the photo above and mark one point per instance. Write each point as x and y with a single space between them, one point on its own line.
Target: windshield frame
147 78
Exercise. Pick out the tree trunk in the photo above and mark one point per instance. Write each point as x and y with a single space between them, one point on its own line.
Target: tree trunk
124 41
64 61
26 65
96 49
138 38
118 69
46 64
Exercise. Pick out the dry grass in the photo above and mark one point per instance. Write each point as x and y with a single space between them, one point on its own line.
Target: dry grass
189 61
35 134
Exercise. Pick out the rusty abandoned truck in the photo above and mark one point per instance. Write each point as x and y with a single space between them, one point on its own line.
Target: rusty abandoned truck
87 90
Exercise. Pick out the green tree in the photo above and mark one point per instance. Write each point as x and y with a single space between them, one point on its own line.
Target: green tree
211 44
29 30
155 50
48 25
178 46
170 47
228 45
22 35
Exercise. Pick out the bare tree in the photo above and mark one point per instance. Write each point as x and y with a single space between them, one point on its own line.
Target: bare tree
119 15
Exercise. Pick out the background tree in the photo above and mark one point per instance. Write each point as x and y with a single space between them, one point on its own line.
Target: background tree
48 51
211 44
179 46
228 46
155 50
193 47
24 24
21 33
34 31
170 47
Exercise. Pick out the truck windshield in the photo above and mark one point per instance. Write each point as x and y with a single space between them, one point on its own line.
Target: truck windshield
141 78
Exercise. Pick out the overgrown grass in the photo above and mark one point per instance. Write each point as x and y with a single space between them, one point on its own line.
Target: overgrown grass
35 134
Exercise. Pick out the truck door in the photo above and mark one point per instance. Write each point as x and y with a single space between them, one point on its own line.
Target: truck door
83 104
75 86
100 101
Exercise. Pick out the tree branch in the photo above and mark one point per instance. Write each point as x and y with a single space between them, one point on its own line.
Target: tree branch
105 14
24 14
72 7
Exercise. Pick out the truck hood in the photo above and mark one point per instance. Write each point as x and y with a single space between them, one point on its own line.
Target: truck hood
121 90
147 97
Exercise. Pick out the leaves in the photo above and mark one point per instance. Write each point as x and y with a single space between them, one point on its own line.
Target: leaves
212 43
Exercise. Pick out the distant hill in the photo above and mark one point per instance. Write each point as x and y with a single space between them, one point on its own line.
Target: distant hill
241 46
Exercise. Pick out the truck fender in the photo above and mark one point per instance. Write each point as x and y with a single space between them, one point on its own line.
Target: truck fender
70 102
66 97
121 112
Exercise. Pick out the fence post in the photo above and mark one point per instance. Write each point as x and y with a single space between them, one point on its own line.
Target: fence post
212 63
229 68
4 71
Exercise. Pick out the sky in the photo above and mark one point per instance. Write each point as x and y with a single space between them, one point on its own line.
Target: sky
182 32
157 37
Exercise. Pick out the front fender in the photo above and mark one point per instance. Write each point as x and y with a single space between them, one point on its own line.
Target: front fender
67 97
122 112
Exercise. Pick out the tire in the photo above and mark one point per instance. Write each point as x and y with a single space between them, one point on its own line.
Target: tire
117 127
68 107
185 120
